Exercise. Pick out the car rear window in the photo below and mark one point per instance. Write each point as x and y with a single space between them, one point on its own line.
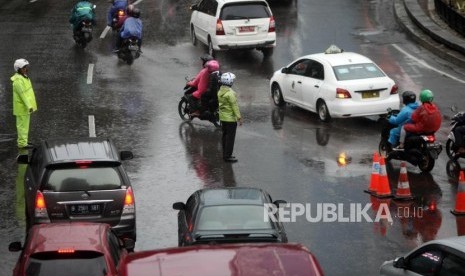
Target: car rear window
87 263
357 71
233 217
244 11
88 179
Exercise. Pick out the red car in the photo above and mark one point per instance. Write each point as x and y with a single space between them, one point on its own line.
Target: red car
77 248
251 259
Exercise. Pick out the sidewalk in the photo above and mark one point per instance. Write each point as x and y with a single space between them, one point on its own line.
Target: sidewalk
427 29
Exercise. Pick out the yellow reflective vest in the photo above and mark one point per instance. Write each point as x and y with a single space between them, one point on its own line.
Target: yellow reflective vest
23 95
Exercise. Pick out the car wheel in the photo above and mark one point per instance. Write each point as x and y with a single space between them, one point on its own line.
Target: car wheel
450 148
277 95
268 52
193 36
211 51
323 112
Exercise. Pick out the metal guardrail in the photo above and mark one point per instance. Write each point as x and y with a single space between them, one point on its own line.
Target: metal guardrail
454 19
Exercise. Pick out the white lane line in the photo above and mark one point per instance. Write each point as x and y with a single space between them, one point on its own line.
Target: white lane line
137 2
105 31
423 63
92 126
90 73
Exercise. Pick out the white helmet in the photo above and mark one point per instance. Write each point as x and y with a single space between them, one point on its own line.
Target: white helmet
227 79
20 63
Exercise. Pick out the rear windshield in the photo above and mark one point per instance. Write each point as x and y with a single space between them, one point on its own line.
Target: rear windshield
87 179
244 11
233 217
87 263
357 71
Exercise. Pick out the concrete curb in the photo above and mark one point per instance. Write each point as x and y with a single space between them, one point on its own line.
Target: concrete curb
427 33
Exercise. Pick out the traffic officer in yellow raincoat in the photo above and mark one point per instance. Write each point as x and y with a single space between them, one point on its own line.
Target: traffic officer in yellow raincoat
24 101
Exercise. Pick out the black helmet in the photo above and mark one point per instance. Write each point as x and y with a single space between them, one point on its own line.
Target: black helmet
135 12
205 58
409 97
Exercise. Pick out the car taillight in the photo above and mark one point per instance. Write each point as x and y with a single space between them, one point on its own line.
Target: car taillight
394 89
129 202
83 164
219 27
271 29
40 210
65 250
342 94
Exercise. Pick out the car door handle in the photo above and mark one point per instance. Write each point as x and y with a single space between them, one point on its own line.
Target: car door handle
317 86
299 82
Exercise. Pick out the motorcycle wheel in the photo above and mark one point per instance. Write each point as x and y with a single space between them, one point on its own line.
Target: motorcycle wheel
427 164
384 149
184 109
129 59
450 149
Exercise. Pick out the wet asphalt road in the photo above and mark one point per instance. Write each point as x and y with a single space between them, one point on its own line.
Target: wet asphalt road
287 152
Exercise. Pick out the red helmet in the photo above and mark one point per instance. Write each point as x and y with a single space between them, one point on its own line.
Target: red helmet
212 66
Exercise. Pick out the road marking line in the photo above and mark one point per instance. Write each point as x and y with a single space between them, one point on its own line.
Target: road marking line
105 31
92 126
90 73
423 63
137 2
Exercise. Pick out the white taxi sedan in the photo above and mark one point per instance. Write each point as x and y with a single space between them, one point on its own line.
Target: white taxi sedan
335 84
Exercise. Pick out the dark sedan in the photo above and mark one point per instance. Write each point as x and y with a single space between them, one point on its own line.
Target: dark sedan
228 215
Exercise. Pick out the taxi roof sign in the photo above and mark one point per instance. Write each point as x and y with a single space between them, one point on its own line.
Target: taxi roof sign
333 49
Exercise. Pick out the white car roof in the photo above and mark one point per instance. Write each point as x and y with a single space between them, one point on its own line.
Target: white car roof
457 243
222 2
340 58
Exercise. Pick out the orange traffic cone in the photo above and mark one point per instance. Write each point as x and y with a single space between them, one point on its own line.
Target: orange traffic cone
460 199
374 179
383 188
403 187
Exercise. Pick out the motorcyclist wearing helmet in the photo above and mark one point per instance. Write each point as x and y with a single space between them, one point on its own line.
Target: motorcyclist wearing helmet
201 83
404 116
132 27
83 10
425 119
24 101
116 5
210 97
229 115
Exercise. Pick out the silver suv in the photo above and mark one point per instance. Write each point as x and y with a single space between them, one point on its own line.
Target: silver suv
233 24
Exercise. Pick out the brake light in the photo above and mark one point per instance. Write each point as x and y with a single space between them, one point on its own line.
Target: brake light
65 250
429 138
219 28
120 13
83 164
394 89
342 94
271 29
40 210
128 207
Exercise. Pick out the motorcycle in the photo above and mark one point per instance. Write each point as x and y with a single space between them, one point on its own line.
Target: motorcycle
129 50
83 35
184 108
451 147
419 149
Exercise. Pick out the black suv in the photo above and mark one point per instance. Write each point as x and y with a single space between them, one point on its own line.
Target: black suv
79 180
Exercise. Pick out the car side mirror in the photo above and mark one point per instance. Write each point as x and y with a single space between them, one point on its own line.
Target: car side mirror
22 159
279 202
126 155
15 247
129 244
400 262
284 70
179 206
194 7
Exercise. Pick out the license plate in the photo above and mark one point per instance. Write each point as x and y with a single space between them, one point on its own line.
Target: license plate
370 94
246 29
85 209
